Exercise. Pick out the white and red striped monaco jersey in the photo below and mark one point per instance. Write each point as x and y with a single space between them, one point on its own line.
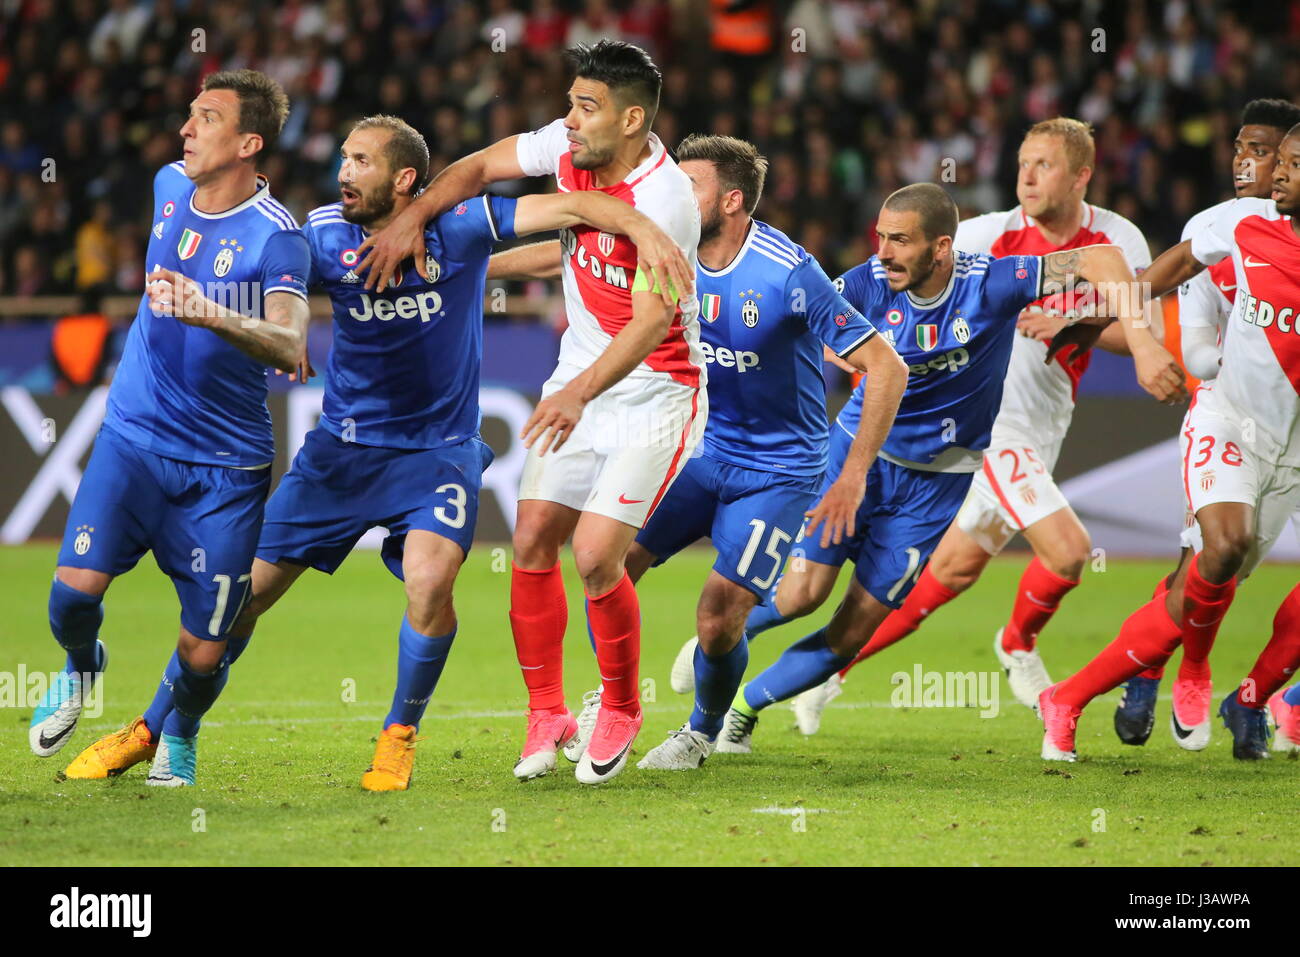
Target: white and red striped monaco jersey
599 267
1038 398
1260 375
1205 300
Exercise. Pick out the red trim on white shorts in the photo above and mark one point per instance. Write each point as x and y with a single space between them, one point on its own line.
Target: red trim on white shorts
677 456
997 490
1190 434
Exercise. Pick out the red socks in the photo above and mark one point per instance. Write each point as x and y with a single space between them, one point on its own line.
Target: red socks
615 619
1041 591
1162 589
926 597
1204 605
538 616
1278 661
1147 638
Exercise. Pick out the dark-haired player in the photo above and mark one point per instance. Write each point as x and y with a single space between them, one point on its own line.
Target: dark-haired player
181 465
398 443
1204 304
952 316
1241 469
626 405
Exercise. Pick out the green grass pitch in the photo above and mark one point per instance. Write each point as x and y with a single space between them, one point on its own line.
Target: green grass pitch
282 753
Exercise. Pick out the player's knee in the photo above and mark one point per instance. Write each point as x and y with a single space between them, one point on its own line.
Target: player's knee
533 546
429 587
955 572
600 570
1224 553
203 657
75 616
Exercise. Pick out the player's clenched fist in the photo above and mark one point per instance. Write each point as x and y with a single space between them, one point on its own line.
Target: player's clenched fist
553 421
1159 373
171 294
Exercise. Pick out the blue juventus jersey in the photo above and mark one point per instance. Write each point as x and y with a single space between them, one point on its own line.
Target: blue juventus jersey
404 369
182 391
763 320
956 346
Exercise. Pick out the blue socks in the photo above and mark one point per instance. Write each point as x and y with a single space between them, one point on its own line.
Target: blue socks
420 659
156 714
716 681
763 617
192 695
75 618
803 665
1292 696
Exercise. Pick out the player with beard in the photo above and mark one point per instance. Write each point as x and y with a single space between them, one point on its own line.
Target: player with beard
952 316
1241 468
398 441
1204 305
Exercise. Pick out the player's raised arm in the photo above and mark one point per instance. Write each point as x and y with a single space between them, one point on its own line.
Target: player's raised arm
1104 267
279 339
403 238
542 260
656 252
555 417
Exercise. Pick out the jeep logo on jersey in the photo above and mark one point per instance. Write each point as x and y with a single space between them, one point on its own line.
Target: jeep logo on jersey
948 362
749 313
426 305
189 244
605 243
727 359
223 262
927 336
961 331
1262 313
710 307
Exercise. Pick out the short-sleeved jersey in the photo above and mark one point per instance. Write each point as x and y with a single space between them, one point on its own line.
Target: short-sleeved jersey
599 267
763 319
1205 300
403 371
1260 375
182 391
956 346
1038 402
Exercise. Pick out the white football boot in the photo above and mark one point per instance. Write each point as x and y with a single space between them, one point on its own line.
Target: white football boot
55 719
682 678
809 705
685 750
737 733
586 724
1025 672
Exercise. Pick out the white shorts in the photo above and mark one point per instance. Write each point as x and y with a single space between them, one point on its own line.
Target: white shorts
1219 466
1012 491
629 446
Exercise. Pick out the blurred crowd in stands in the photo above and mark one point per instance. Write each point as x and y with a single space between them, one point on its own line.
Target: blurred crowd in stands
849 99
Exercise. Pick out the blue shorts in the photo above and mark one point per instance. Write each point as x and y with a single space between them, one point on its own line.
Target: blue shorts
752 516
200 521
899 523
336 491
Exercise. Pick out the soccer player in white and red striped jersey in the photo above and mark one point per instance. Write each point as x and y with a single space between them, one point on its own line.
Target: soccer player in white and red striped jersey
1015 491
1241 466
626 405
1204 304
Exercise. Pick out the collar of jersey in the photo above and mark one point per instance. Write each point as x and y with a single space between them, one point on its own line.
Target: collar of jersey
1085 220
656 150
263 191
938 300
735 260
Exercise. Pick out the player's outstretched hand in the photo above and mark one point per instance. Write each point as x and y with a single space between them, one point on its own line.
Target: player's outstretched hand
1083 335
553 421
1159 373
383 252
304 370
837 511
171 294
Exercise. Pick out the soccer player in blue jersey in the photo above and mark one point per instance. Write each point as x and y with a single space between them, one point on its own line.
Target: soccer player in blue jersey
398 441
951 315
181 465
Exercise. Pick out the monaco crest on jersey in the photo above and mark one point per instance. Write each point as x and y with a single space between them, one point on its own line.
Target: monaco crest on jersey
189 244
710 307
605 243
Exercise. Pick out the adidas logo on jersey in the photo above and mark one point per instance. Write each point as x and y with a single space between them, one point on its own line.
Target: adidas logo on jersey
948 362
727 359
350 277
1262 313
426 305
